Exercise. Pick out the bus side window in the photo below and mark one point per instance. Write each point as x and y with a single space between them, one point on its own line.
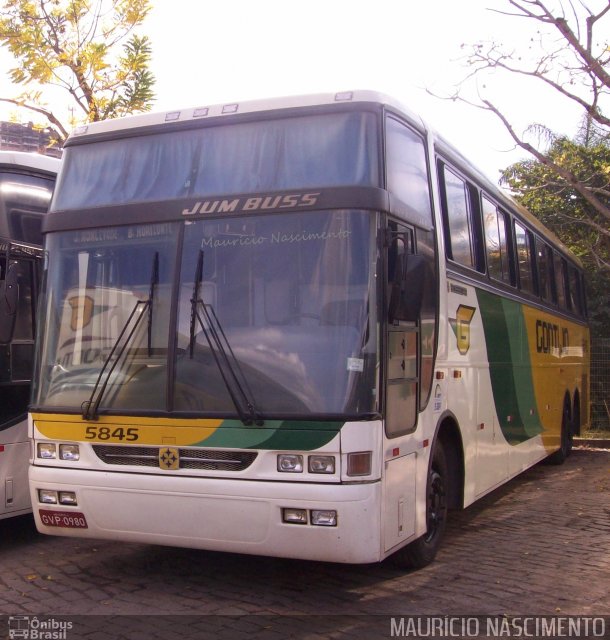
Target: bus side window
523 242
496 245
401 247
560 279
24 324
457 215
575 291
401 400
407 168
552 280
543 267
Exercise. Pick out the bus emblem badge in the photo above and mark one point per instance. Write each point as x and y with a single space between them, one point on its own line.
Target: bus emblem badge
169 458
461 327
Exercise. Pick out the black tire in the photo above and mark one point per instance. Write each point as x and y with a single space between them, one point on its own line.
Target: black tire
567 438
422 551
576 417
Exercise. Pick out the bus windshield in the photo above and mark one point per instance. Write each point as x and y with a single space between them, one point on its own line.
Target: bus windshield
323 150
277 310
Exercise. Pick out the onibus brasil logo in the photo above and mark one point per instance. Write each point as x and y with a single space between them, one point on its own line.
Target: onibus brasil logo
32 628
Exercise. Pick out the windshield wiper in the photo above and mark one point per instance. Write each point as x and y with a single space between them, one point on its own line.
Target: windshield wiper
228 365
90 407
154 281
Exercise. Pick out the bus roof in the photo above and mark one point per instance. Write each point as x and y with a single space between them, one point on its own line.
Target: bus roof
206 112
31 161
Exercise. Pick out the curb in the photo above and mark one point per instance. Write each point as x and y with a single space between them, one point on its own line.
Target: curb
601 443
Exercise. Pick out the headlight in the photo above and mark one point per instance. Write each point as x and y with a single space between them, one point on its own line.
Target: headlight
321 464
46 496
67 497
69 452
324 517
294 516
290 463
47 450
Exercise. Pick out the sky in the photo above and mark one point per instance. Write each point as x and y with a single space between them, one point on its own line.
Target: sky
224 51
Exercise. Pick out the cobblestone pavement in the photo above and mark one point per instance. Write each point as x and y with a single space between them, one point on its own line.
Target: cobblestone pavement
538 545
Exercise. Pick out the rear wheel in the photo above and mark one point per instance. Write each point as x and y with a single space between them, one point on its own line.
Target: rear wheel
576 416
422 551
567 438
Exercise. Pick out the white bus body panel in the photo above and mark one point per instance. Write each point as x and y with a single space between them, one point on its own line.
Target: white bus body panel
14 460
239 516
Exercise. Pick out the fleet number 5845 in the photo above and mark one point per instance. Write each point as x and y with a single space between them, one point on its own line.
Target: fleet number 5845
106 433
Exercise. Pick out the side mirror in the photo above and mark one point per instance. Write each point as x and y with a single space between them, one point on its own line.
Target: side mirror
408 288
9 297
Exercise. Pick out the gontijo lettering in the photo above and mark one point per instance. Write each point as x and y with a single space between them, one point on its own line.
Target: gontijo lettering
551 337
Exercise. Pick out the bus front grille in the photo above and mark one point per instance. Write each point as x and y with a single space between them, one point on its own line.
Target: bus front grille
204 459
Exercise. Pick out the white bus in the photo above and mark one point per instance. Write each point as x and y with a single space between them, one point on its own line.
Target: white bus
301 327
26 185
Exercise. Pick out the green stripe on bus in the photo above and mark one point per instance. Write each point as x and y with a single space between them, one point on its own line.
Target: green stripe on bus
305 436
509 367
275 434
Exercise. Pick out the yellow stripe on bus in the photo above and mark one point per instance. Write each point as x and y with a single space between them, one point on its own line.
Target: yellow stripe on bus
125 429
559 355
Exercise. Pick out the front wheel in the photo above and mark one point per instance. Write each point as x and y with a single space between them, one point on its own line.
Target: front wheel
422 551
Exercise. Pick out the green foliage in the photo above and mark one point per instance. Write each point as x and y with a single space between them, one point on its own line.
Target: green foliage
88 48
559 205
133 79
561 208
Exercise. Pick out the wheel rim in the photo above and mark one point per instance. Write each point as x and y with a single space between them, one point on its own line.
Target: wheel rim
436 505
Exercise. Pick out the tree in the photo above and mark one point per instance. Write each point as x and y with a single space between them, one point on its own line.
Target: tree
89 49
559 205
565 56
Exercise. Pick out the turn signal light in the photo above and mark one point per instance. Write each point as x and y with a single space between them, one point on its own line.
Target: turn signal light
359 463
